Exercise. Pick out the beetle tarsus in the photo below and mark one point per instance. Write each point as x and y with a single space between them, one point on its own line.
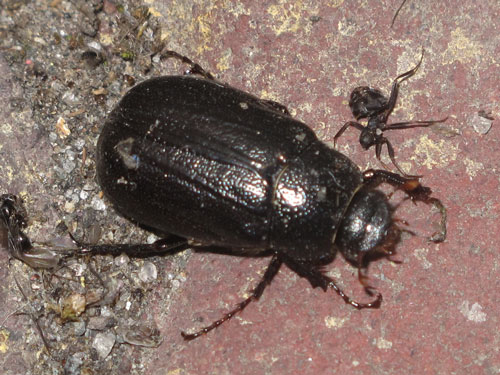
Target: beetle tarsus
375 304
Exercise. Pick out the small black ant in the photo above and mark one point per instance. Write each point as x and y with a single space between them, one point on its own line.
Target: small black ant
370 103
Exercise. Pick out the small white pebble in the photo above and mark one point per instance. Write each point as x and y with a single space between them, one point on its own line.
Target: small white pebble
103 343
148 272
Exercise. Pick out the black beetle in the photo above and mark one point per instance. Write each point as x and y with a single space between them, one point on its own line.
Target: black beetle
216 166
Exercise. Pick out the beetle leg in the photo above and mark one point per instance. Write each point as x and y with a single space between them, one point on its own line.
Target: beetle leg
415 191
364 281
171 245
195 68
363 277
354 124
318 278
409 185
271 271
375 304
395 88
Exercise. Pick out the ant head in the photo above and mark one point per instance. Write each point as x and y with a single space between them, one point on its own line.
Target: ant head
367 138
366 102
372 132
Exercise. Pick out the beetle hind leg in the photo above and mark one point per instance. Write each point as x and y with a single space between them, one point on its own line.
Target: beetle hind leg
271 271
169 245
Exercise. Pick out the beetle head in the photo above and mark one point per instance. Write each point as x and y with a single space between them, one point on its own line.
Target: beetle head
366 225
366 102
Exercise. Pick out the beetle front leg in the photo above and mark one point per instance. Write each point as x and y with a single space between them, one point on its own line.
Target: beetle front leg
415 191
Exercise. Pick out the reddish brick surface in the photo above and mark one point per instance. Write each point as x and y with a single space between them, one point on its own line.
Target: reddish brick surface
440 310
441 304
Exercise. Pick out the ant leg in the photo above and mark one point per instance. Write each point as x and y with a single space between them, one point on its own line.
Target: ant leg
195 68
412 124
354 124
378 152
271 271
397 12
395 88
415 191
390 151
317 278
